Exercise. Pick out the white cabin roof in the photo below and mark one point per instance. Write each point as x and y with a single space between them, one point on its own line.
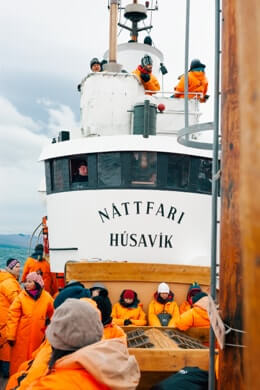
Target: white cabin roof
153 143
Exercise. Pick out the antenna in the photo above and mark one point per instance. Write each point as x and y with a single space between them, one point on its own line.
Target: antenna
136 13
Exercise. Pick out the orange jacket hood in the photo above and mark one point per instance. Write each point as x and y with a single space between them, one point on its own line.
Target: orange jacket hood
108 361
4 275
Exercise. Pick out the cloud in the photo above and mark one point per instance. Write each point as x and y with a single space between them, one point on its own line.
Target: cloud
10 116
46 47
21 142
60 116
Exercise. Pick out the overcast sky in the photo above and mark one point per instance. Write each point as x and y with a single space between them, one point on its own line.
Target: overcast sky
46 47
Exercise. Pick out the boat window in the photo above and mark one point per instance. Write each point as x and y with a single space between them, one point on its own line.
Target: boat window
178 171
205 176
48 177
60 175
109 169
144 168
135 169
79 172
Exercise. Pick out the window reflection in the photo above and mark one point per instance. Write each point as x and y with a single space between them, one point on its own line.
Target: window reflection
59 175
109 169
178 171
205 175
144 168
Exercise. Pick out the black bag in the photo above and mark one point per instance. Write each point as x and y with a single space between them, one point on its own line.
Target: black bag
164 318
188 378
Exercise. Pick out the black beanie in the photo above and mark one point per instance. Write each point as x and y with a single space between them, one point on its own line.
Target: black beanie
39 248
75 290
198 296
105 306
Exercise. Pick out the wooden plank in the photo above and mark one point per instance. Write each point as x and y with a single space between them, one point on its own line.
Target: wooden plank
248 14
143 272
231 284
156 360
160 340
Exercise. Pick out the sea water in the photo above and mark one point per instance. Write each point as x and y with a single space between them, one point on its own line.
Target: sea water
16 252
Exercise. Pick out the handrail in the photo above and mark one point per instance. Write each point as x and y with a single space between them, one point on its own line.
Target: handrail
197 95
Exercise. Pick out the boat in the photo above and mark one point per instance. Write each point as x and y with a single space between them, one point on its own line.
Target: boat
144 213
147 197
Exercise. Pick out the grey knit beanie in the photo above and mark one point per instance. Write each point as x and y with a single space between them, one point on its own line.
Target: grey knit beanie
75 324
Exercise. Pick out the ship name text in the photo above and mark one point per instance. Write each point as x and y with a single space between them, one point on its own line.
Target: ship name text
141 240
139 207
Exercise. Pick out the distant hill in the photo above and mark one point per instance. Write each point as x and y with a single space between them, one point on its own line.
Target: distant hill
17 240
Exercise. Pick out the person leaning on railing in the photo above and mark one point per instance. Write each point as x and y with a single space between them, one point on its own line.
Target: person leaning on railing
144 74
197 83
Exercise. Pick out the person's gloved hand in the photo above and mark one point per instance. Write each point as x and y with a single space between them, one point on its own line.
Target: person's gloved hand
127 322
206 97
11 342
79 87
145 77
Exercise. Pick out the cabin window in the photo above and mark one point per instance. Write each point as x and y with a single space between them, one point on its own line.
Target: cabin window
79 172
178 171
48 177
109 169
60 175
137 169
205 176
143 168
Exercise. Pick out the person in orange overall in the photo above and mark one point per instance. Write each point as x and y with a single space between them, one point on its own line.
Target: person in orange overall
27 318
38 364
128 311
111 329
144 74
197 83
196 317
80 359
193 290
9 289
37 263
163 310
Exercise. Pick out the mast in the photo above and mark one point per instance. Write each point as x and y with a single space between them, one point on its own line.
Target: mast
248 15
112 65
231 371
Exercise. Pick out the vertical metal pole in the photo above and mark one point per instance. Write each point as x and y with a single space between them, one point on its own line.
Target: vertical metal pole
146 118
187 35
215 186
113 30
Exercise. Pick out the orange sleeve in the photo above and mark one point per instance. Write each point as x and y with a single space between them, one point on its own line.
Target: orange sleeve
153 84
184 307
153 320
180 86
137 73
116 315
185 320
11 290
14 315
